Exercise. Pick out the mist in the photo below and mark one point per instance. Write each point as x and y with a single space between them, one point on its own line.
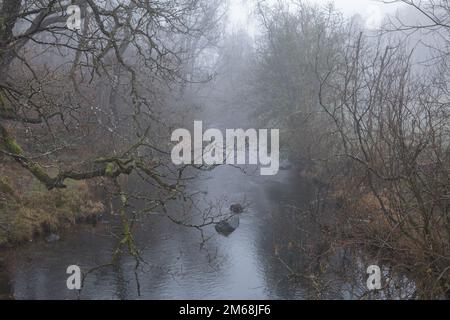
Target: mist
214 149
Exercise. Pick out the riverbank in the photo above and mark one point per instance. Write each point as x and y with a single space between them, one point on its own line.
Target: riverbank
29 211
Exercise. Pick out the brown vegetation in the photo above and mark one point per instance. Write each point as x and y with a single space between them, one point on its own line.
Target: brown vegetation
28 210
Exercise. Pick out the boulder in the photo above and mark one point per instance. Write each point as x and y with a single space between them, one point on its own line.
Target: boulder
236 208
227 227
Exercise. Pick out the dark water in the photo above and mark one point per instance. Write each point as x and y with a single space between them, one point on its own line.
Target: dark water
252 263
275 253
178 267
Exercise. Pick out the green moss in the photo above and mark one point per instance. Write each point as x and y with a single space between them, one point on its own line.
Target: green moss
11 146
110 168
38 171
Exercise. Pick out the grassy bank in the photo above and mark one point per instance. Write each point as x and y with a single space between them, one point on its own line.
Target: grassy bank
28 210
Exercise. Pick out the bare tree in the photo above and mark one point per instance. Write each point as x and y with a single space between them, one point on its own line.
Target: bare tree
297 41
95 103
393 123
130 46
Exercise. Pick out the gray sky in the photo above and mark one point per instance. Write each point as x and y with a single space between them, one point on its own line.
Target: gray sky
371 10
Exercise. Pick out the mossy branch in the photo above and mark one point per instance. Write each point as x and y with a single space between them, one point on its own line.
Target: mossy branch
107 167
10 147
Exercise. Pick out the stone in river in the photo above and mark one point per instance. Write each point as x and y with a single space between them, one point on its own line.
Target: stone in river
227 227
236 208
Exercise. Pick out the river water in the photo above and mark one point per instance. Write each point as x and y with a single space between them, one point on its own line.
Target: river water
254 262
267 257
177 265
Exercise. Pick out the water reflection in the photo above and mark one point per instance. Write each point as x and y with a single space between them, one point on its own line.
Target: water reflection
176 265
276 253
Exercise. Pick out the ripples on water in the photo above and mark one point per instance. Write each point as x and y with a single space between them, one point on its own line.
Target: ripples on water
254 262
176 265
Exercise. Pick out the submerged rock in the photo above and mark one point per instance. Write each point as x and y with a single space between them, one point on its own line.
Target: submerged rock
228 226
236 208
52 237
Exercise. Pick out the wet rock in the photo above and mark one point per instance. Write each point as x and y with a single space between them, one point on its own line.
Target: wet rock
236 208
224 228
227 227
52 237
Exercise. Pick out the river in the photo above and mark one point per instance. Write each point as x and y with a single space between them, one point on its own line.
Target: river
269 256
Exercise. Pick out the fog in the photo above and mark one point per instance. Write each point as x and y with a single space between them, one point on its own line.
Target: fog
213 149
241 12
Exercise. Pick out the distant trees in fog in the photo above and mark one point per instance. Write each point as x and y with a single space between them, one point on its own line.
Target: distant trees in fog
361 115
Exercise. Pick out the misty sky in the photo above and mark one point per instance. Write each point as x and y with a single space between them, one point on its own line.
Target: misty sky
371 10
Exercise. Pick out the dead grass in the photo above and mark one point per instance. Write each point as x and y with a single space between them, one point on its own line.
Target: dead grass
397 240
29 210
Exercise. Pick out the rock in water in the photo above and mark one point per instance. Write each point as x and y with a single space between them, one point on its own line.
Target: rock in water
52 237
227 227
237 208
224 228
